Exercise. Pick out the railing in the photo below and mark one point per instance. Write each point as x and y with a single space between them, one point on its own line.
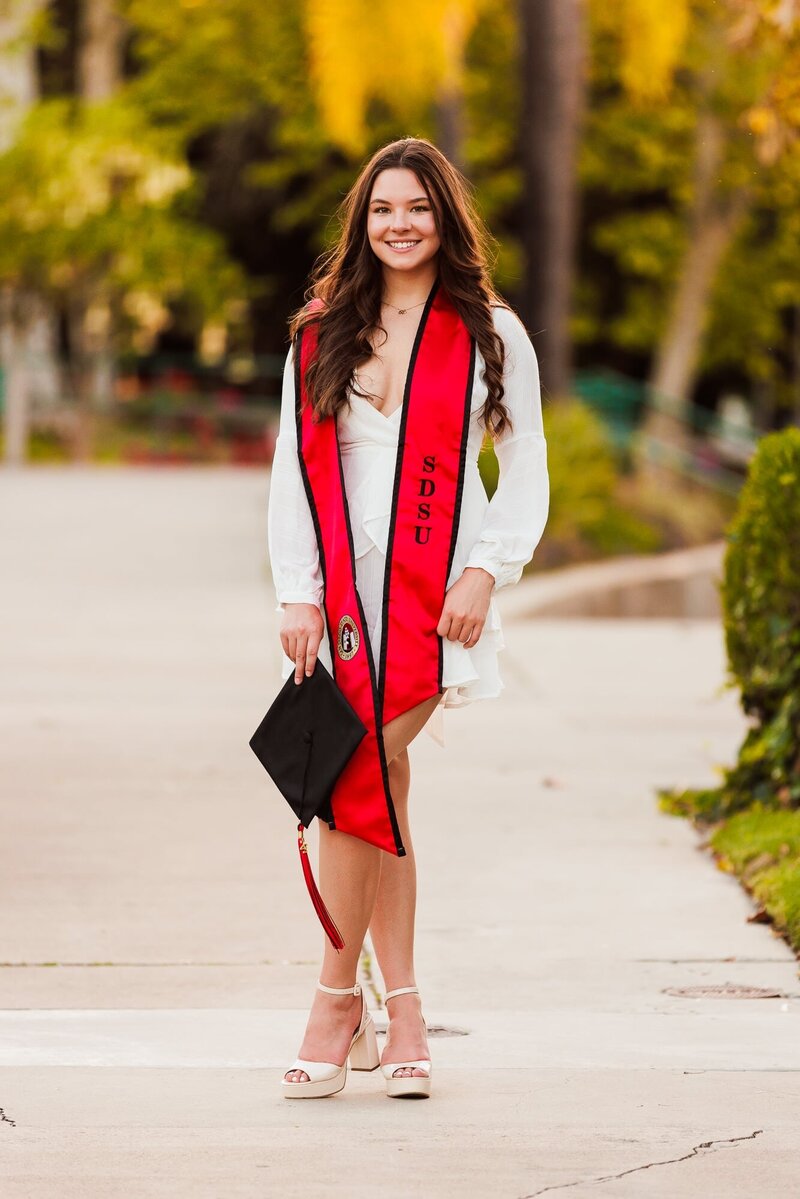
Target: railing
706 447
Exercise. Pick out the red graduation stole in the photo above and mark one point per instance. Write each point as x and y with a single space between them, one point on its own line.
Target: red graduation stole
426 501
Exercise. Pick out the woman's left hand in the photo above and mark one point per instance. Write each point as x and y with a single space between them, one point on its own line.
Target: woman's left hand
465 607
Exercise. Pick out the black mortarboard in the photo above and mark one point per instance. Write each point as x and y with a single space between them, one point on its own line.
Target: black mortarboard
304 743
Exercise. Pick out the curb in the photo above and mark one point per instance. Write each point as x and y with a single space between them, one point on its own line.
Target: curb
681 584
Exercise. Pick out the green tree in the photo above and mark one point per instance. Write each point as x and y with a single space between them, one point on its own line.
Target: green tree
696 109
257 121
96 218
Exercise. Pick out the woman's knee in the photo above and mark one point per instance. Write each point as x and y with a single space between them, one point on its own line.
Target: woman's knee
400 764
399 775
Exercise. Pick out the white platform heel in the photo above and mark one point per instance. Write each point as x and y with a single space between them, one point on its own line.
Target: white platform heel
407 1086
326 1078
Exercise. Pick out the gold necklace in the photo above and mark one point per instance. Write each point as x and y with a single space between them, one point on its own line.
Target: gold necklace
402 311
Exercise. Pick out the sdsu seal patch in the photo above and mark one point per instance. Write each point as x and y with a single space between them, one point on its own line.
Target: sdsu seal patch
348 639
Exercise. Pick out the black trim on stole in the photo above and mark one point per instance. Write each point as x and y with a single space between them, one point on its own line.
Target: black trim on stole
398 472
462 465
298 414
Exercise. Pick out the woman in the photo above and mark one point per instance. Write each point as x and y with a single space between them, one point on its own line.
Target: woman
382 541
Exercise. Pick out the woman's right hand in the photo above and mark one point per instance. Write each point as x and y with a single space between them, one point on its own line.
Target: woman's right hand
301 633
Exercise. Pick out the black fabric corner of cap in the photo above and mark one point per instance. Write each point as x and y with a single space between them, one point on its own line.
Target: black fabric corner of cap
305 741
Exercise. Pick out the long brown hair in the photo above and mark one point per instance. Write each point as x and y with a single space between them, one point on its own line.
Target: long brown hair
348 280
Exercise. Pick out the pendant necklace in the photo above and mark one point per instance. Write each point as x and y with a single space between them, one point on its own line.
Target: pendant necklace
403 311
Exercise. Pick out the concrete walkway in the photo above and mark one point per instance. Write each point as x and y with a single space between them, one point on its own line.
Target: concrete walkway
159 949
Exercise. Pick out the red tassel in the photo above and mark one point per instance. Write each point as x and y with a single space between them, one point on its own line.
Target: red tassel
326 920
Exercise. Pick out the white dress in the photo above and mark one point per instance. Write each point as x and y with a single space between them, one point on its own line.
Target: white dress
499 536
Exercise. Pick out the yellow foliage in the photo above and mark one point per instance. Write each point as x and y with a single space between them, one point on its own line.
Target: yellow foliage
760 120
652 36
773 27
401 53
148 310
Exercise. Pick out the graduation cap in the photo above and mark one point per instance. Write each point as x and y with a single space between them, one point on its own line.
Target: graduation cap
304 743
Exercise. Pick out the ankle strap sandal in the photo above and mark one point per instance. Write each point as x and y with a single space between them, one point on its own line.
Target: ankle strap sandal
328 1078
408 1086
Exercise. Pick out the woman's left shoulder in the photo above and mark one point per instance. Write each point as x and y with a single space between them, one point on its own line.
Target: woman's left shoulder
516 339
507 322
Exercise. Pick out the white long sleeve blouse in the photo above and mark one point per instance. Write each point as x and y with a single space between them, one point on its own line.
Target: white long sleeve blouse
498 535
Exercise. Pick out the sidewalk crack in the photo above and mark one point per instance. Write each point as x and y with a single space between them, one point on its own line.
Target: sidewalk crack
648 1166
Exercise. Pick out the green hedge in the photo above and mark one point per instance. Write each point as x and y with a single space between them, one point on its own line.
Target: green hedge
758 800
761 602
761 608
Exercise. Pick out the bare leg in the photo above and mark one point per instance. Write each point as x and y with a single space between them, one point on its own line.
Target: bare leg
349 872
400 732
392 924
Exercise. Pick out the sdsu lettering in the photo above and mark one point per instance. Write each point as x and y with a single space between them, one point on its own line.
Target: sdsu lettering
427 487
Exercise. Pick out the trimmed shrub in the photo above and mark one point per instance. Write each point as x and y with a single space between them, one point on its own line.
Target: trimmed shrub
761 605
757 807
761 610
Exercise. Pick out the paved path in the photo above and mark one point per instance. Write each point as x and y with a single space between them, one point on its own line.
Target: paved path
158 948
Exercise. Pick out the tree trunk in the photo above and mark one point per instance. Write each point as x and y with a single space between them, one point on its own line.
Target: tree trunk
16 393
796 364
714 220
450 101
102 40
19 86
450 126
553 86
89 357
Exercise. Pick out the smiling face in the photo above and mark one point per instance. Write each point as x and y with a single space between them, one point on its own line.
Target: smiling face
400 222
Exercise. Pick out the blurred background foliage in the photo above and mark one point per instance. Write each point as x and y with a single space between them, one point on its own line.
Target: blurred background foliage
169 172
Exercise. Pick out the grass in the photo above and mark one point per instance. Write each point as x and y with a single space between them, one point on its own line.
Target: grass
703 806
761 846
